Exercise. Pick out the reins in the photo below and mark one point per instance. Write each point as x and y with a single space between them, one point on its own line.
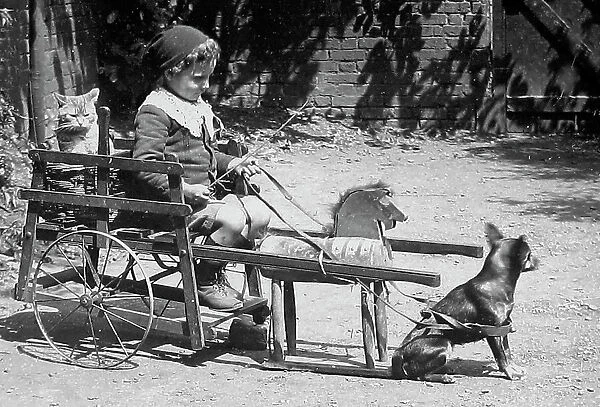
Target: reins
449 323
289 197
281 189
309 239
252 153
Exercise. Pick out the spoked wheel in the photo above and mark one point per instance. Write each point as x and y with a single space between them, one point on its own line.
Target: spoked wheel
92 299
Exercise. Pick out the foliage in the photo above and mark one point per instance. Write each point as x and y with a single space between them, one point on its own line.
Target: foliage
262 29
7 113
128 26
5 18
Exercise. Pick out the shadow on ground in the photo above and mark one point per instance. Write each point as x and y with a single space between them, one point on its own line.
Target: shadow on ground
560 159
22 328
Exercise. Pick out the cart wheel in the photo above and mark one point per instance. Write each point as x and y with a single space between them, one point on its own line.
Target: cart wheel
86 307
260 315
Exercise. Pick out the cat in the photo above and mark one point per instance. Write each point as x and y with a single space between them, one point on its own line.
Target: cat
74 123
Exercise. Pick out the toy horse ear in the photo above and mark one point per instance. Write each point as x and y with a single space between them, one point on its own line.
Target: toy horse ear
492 233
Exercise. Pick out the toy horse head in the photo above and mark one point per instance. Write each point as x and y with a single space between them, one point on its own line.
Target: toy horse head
366 211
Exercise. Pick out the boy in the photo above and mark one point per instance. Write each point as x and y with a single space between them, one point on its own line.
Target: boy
174 119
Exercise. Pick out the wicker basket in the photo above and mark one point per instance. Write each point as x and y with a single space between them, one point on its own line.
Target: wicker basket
75 179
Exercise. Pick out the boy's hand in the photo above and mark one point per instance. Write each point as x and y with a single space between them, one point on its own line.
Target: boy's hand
244 167
198 194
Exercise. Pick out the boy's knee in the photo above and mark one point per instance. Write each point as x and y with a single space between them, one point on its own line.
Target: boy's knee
231 218
259 213
258 209
240 221
229 226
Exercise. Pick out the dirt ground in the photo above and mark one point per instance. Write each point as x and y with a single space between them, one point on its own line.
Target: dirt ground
449 185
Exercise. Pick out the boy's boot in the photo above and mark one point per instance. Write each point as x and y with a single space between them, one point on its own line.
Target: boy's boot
214 290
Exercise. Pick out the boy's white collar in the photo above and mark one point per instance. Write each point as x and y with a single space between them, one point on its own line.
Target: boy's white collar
191 115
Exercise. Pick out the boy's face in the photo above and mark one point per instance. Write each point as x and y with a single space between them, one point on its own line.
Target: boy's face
192 81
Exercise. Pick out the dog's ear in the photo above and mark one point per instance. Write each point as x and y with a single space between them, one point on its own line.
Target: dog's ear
492 233
527 260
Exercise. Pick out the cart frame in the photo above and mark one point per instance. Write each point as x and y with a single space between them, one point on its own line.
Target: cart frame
179 243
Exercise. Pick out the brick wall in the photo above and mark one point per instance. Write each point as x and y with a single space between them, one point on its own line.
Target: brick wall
70 34
434 70
14 60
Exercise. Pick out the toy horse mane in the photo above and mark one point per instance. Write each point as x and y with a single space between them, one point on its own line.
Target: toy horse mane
335 208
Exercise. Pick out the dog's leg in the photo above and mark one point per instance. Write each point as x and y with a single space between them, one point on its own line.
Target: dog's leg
503 356
507 350
515 371
439 378
423 359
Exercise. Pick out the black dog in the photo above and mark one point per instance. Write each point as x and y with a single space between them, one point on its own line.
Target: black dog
486 299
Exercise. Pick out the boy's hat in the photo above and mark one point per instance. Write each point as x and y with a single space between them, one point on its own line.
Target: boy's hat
170 47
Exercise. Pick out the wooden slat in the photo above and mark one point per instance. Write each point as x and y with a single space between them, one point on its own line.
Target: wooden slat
176 326
377 372
29 233
250 304
338 269
186 266
426 247
108 202
121 143
102 173
293 264
289 314
405 245
381 328
368 327
59 277
27 252
277 321
290 232
106 161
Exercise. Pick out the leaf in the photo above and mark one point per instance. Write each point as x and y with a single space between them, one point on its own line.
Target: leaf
112 17
5 18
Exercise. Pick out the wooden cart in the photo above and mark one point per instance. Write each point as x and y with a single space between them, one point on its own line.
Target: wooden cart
96 277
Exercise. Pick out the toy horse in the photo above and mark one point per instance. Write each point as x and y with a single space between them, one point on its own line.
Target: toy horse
360 219
361 216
